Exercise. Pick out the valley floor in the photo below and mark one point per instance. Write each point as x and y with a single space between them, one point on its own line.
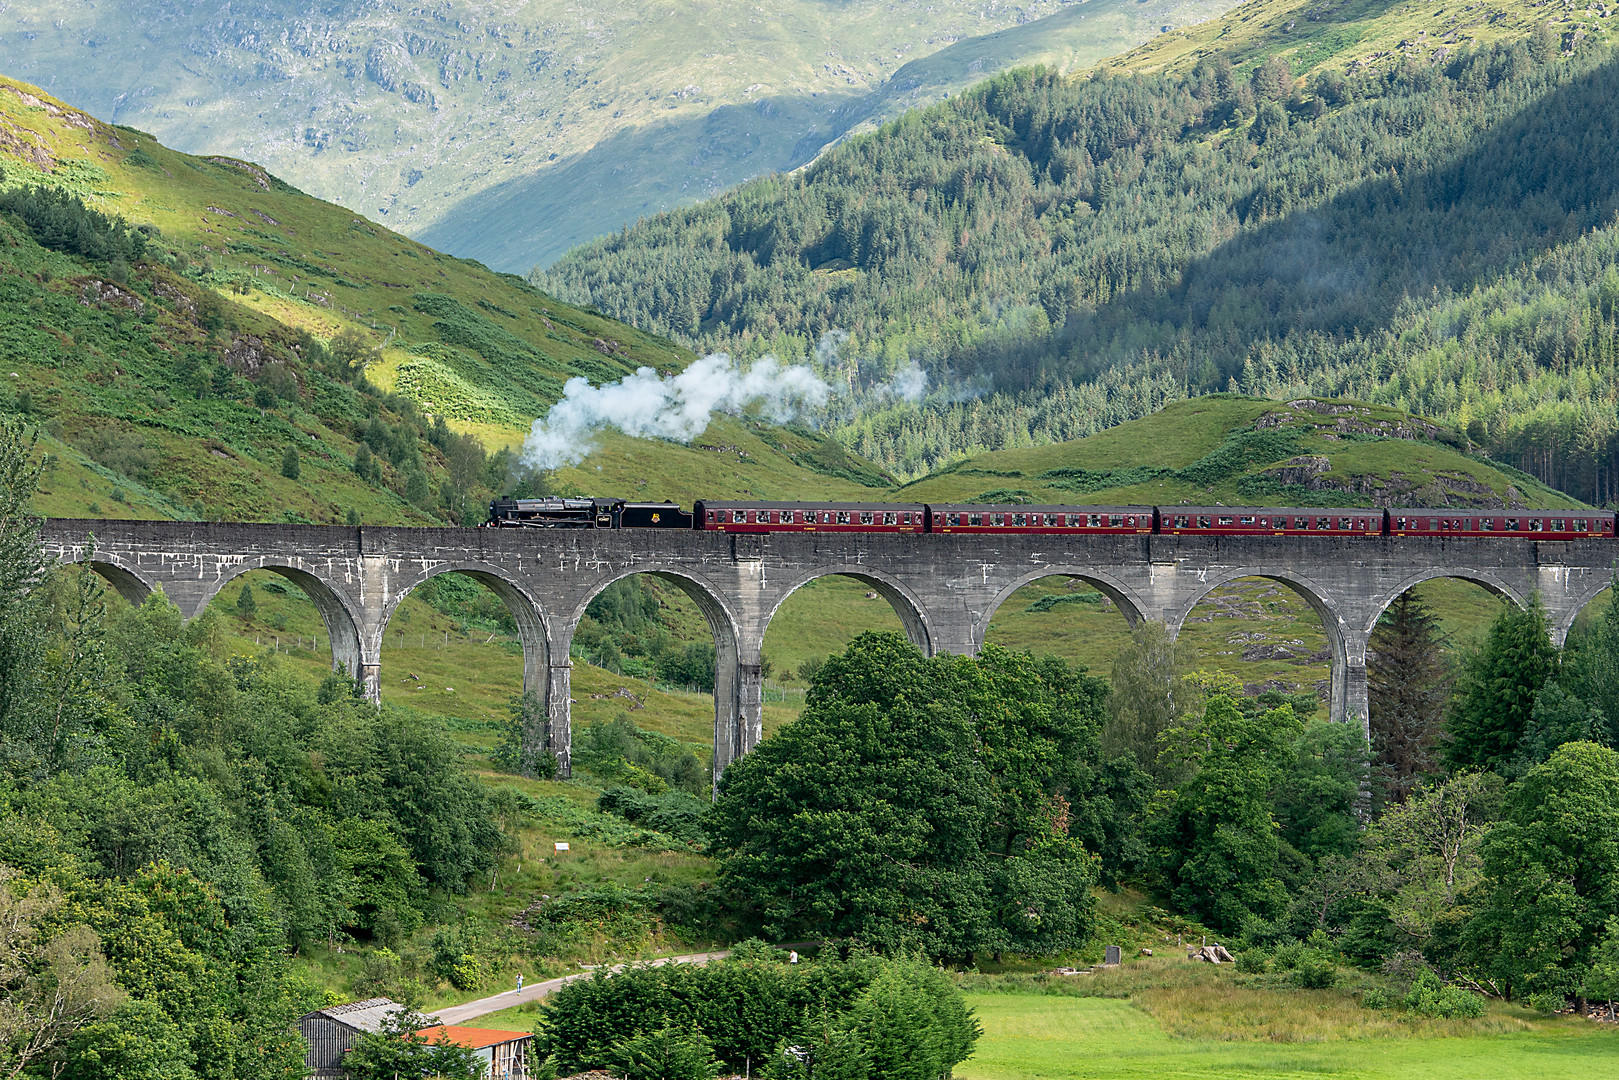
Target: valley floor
1029 1036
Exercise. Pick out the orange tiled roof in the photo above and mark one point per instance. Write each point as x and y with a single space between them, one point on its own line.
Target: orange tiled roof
476 1038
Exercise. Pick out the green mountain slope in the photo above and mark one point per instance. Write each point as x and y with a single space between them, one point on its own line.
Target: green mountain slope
661 162
1436 235
176 358
509 132
1248 451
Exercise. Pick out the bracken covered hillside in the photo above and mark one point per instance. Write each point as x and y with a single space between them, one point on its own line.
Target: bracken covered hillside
189 334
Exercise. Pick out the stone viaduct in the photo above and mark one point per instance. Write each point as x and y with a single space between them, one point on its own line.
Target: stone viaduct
944 588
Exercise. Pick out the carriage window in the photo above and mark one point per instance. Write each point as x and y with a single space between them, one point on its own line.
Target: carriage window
713 515
1512 524
890 519
866 517
905 519
1264 523
1225 521
1181 521
1247 521
1322 523
1486 524
1053 520
1203 521
1115 520
1399 523
1096 521
975 519
843 517
1534 525
997 519
952 519
1343 523
1020 519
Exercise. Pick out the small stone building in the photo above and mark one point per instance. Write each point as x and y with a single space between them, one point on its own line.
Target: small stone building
504 1053
328 1033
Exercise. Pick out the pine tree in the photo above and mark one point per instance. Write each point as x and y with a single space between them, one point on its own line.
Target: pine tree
246 605
289 463
1498 689
1410 684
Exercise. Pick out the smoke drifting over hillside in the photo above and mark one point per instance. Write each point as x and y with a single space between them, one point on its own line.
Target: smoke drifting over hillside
678 407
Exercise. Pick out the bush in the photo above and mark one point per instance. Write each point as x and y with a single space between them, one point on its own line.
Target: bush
908 1018
1376 999
1253 962
1314 972
1432 998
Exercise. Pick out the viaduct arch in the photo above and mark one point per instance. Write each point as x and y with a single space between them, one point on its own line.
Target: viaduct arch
945 588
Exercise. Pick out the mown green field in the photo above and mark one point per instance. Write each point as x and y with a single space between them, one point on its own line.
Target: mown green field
1029 1036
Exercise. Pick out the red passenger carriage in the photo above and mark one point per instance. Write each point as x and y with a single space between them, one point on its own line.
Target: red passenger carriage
1537 524
1270 521
963 518
765 517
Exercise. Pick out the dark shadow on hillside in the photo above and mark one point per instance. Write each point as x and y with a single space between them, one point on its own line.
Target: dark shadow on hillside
635 173
1531 183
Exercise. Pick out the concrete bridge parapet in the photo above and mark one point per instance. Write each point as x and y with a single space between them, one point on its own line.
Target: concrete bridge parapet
945 589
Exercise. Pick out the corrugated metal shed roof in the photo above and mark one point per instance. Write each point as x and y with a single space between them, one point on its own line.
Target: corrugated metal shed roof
367 1015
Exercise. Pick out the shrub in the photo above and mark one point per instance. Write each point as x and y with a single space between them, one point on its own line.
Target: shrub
1314 972
289 464
1376 999
1253 962
1432 998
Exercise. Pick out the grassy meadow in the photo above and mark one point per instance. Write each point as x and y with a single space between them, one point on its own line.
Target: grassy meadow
1225 1032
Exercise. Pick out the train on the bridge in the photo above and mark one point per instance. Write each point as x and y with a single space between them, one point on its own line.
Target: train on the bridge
735 516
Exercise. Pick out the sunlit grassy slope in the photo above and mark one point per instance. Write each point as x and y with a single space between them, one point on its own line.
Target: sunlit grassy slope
239 265
1239 450
1353 35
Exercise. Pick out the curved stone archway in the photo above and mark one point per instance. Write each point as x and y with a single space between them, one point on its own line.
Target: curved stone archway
1566 619
1347 701
339 614
738 716
912 613
1483 579
1124 598
129 582
525 609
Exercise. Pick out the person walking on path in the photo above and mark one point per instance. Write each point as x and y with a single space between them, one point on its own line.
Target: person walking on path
519 982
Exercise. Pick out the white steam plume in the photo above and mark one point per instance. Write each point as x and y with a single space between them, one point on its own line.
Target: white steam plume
910 384
676 407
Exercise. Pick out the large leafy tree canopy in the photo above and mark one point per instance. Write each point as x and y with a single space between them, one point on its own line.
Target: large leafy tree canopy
951 804
1216 834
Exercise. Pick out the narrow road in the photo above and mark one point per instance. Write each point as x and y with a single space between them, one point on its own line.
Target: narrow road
460 1014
